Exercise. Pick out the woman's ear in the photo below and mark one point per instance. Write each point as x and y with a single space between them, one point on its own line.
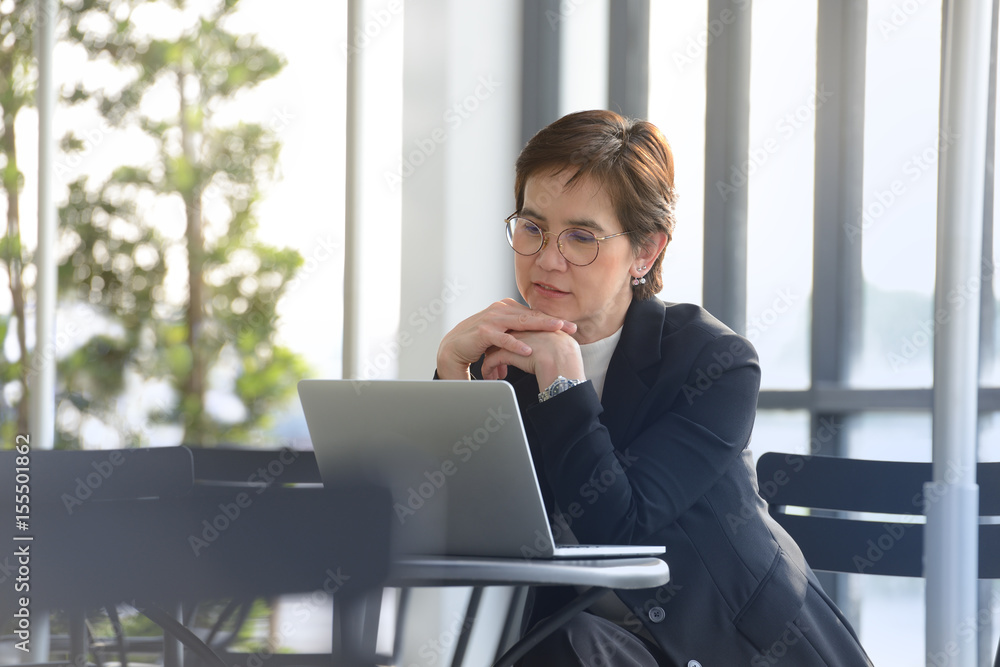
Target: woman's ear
652 248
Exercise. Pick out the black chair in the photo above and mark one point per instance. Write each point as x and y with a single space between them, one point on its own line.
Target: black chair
834 542
136 526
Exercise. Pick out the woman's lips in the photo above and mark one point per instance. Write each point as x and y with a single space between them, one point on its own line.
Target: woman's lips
549 290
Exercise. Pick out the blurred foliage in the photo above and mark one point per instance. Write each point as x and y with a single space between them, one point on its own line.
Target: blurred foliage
17 92
145 324
251 631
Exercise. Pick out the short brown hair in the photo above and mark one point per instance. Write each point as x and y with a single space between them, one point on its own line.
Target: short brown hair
632 161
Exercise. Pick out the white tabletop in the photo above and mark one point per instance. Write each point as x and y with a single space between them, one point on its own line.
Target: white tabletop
629 573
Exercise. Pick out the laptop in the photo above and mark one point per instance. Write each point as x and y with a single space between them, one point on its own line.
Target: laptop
455 457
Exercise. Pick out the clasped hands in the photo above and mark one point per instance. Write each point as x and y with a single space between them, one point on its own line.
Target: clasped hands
510 334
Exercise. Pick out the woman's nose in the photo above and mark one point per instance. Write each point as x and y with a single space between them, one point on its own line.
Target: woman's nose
549 256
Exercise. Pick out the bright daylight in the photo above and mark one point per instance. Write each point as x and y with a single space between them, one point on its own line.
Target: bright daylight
418 333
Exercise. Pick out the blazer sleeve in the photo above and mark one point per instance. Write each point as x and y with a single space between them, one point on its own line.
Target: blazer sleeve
688 429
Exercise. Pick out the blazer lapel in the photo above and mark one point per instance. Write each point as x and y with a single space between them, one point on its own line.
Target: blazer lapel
632 367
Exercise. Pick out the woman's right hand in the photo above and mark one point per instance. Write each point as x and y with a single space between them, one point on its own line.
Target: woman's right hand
488 329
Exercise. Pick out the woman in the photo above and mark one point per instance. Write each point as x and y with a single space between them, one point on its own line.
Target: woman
639 414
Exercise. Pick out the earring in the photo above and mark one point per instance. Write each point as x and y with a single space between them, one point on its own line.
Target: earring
639 281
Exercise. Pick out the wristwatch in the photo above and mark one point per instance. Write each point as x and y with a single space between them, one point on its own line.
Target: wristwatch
558 386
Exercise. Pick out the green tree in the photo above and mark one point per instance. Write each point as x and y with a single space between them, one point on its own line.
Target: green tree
117 270
17 86
118 262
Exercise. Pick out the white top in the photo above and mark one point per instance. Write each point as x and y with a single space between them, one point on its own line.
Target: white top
597 357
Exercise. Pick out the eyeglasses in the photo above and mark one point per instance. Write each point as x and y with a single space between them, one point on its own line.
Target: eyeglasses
578 246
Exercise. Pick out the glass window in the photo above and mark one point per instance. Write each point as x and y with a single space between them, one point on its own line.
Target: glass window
890 609
780 431
583 57
890 612
989 437
679 38
991 312
897 223
783 102
889 436
299 209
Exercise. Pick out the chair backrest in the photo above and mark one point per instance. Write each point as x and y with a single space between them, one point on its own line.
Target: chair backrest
70 478
889 545
136 524
254 466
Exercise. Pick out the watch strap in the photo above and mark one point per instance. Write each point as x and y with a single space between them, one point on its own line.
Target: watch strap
558 386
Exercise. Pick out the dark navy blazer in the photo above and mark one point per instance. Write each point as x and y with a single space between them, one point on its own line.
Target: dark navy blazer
662 459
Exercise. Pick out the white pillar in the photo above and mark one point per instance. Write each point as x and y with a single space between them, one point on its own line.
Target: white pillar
461 115
371 258
461 100
952 499
43 382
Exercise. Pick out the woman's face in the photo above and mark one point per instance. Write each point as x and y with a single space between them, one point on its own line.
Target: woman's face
595 296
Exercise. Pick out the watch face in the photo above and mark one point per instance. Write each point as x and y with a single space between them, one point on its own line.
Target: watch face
559 385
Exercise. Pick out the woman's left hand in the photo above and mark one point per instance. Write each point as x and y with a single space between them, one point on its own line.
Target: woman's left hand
553 353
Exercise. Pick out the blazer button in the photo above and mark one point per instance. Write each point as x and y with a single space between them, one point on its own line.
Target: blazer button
694 663
656 614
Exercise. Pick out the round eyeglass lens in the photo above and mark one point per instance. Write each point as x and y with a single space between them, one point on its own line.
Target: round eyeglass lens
578 246
524 236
